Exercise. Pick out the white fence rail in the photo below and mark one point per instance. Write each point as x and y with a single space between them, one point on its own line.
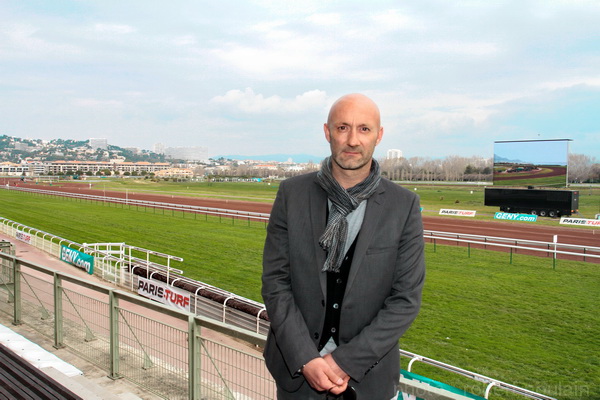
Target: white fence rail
536 247
218 212
490 382
111 268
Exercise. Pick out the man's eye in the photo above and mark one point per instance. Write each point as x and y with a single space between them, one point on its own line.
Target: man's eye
364 129
342 128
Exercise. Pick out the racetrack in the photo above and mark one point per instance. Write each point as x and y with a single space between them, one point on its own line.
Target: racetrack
503 229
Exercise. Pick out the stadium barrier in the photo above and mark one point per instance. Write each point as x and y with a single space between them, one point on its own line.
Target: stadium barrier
125 271
533 247
161 349
240 318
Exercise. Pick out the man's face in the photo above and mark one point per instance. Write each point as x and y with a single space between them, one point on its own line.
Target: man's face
353 130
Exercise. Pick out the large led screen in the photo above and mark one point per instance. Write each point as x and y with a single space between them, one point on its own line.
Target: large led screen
540 163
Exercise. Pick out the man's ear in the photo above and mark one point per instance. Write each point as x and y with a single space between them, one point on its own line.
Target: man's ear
379 135
327 133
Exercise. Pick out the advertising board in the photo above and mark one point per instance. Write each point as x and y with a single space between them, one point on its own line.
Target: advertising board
515 217
459 213
419 385
23 237
163 293
77 258
580 221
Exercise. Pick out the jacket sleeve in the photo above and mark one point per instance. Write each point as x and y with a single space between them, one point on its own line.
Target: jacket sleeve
400 308
287 323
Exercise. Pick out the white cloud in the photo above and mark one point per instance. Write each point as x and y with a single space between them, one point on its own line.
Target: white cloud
568 83
114 29
255 103
392 20
23 39
325 19
282 55
185 40
462 47
95 103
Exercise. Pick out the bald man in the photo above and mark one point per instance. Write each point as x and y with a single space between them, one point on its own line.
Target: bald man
343 268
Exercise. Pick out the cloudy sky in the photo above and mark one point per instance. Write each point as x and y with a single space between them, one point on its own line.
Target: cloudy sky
257 77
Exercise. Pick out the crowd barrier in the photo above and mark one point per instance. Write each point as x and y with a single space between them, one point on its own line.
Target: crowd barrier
163 350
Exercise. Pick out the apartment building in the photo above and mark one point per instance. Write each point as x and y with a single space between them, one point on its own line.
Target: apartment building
58 167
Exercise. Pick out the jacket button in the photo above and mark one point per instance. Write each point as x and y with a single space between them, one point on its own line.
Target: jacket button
316 335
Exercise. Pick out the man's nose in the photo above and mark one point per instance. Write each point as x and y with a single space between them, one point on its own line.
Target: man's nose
353 138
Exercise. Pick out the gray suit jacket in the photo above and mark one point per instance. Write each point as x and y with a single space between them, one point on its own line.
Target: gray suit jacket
382 297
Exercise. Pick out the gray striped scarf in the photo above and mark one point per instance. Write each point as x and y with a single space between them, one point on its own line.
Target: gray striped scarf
343 202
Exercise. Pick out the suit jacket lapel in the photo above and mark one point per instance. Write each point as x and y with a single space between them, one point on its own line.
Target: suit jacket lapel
318 215
370 223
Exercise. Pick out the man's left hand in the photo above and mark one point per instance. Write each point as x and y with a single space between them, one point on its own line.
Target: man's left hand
336 368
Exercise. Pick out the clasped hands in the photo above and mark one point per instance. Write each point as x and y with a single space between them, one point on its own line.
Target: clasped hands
323 374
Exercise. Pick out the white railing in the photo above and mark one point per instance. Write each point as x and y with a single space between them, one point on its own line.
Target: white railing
218 212
490 382
536 247
110 268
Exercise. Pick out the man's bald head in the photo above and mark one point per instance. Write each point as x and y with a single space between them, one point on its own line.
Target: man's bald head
353 129
356 99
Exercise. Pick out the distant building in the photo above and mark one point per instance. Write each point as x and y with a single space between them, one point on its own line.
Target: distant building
12 169
134 150
175 173
23 147
195 153
394 153
56 167
159 148
97 143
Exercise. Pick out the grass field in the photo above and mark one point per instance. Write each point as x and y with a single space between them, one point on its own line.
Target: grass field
524 323
247 191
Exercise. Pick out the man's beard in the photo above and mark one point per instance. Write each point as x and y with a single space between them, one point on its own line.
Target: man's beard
351 165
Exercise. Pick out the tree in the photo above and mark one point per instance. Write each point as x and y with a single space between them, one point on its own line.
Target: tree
581 168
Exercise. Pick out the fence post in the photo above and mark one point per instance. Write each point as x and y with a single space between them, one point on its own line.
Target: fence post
194 372
469 249
555 240
58 313
16 292
113 310
511 251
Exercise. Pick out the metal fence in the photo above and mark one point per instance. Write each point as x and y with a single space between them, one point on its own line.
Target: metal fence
161 349
553 249
153 205
111 269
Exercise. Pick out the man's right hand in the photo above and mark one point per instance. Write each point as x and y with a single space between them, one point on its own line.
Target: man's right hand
321 377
